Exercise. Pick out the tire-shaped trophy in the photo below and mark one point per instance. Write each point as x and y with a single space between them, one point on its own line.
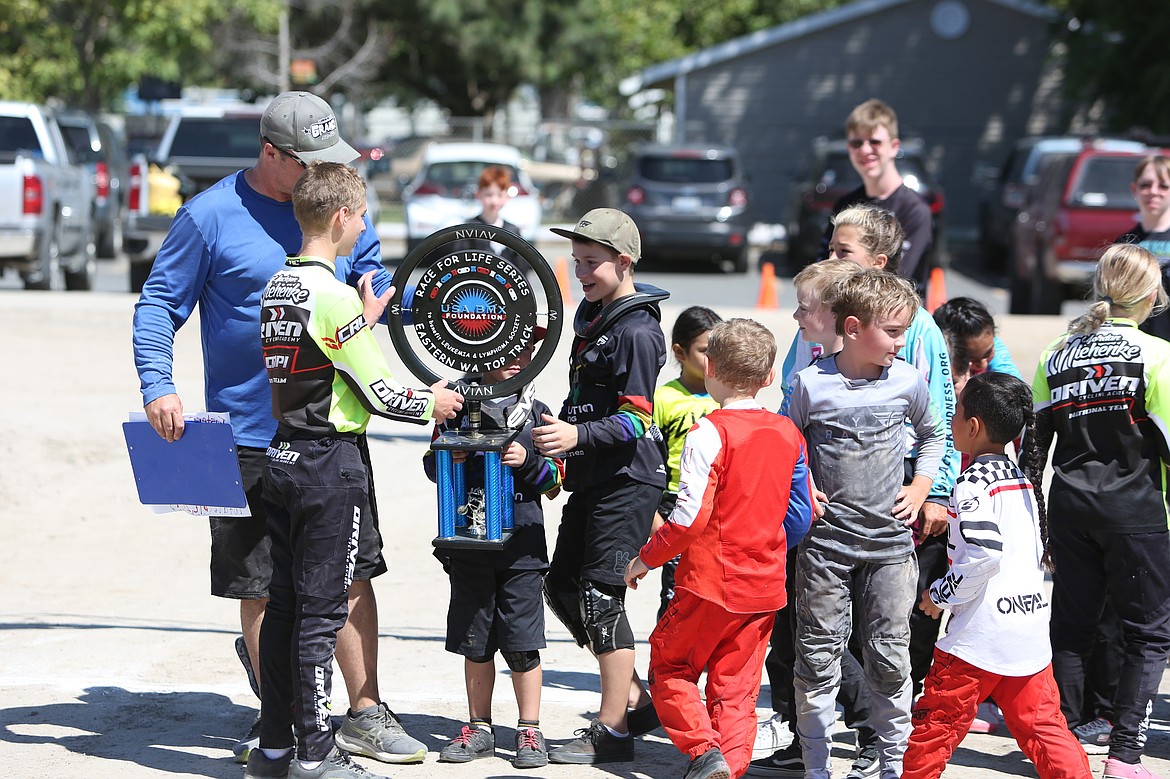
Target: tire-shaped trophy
468 300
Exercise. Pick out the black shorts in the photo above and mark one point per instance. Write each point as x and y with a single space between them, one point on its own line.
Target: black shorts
241 553
602 529
493 610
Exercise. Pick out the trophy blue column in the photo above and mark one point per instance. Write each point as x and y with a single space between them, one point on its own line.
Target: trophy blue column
444 483
509 498
493 481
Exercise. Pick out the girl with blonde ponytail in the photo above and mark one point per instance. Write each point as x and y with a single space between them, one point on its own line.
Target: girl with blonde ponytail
1102 394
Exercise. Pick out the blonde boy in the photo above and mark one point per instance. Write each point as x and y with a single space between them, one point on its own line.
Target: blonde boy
852 408
744 499
327 375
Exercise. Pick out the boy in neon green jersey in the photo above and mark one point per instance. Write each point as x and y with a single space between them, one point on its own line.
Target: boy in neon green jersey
328 375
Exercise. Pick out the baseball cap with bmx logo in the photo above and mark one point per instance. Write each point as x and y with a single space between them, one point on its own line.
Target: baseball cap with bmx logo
608 227
304 125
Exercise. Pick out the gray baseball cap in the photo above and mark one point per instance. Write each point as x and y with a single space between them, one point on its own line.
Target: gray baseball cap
304 125
609 227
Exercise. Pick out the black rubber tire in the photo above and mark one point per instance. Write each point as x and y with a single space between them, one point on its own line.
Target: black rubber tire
139 272
49 262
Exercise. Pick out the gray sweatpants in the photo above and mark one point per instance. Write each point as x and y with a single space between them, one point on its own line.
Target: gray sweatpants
828 587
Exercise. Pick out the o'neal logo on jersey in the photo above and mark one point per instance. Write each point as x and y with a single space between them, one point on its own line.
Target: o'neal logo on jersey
344 333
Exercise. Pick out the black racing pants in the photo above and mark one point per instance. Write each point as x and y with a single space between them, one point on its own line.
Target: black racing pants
1132 571
317 493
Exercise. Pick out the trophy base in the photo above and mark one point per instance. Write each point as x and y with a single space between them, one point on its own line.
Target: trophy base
465 540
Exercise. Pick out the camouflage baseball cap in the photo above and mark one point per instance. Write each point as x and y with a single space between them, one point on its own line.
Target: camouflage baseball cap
304 125
609 227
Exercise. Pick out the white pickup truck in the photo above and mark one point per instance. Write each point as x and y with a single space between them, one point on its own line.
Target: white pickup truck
201 145
46 219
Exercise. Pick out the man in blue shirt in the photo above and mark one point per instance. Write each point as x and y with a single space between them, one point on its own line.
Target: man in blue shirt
222 248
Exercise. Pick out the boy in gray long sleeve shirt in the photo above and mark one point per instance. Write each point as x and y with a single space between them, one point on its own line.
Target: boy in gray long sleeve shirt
852 408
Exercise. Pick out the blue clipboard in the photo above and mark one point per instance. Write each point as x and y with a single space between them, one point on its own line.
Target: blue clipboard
200 469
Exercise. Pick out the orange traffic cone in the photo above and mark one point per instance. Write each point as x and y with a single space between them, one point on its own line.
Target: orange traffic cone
563 281
936 290
768 297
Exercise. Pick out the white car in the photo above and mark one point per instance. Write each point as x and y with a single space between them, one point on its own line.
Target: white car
442 194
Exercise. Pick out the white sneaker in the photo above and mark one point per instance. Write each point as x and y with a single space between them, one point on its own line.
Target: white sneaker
772 734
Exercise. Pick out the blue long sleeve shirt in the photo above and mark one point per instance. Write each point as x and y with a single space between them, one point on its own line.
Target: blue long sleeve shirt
222 248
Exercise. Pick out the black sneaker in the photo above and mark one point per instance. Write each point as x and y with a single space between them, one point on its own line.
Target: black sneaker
472 743
594 745
642 720
867 764
1094 736
261 767
531 749
709 765
242 653
787 763
243 748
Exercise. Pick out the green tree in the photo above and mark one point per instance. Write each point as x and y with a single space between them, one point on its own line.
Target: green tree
469 56
654 31
86 52
1117 54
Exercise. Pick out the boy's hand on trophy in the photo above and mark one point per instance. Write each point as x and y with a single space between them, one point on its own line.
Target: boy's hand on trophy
448 403
514 456
555 437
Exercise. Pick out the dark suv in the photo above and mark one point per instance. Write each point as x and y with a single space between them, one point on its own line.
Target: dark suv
690 202
1081 202
829 176
95 145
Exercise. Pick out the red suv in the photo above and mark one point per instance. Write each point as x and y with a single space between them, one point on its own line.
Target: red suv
1080 204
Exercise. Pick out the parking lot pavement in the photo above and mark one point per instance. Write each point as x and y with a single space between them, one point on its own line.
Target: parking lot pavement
116 663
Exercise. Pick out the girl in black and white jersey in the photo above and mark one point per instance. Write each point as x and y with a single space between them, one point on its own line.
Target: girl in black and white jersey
1102 393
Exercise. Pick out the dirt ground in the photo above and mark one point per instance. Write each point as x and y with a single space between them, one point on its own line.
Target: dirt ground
114 660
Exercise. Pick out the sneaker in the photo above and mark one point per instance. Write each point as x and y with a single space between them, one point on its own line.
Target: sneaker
261 767
787 763
242 653
1094 736
709 765
1115 769
531 749
987 718
867 764
338 765
244 746
375 732
771 734
594 745
472 743
642 720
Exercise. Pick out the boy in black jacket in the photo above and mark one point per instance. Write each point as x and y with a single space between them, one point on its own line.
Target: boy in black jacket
614 466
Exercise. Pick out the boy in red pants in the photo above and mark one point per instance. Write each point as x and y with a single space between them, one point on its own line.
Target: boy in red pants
744 497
